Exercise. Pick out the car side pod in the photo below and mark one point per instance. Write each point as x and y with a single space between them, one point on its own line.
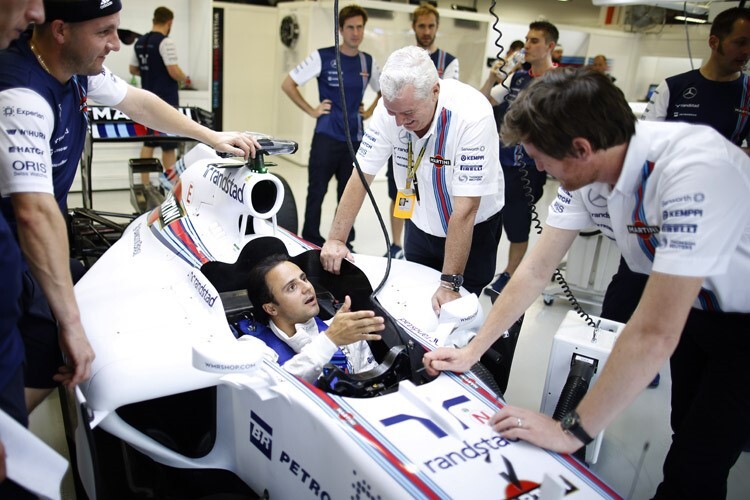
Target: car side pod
238 362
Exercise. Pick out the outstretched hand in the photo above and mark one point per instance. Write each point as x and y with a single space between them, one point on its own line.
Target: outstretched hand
348 327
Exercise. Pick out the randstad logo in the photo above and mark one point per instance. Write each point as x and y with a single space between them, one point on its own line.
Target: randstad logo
225 183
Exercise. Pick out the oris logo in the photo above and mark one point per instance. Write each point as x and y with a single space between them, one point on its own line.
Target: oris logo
30 166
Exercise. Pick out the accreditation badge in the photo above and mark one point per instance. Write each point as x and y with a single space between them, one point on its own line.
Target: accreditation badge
404 206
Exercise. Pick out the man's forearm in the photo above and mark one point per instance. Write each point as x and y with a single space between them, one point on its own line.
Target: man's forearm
351 202
44 241
291 89
147 109
647 341
460 234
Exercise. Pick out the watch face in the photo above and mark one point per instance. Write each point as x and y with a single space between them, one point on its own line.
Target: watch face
568 421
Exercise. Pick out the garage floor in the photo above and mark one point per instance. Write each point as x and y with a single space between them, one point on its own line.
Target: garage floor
646 421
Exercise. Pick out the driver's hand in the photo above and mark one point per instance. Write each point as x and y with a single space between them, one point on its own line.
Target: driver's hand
332 253
448 359
348 327
443 296
236 143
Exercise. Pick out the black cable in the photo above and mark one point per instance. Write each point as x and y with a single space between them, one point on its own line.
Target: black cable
527 188
353 153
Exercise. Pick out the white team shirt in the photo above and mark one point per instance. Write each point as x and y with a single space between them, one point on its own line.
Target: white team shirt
461 156
315 350
105 88
681 206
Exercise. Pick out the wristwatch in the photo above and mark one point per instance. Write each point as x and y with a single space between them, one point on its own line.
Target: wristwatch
571 423
454 280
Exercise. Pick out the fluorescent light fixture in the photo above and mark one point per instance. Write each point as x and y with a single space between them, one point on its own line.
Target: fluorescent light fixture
689 19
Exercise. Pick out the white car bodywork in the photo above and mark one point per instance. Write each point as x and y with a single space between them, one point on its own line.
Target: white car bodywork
159 328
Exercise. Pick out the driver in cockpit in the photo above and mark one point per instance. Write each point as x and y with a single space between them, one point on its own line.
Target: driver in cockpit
285 300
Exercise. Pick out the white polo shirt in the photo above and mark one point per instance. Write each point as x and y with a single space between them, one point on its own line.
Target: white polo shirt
681 206
461 156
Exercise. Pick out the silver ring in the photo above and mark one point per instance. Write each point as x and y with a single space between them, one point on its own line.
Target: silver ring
519 422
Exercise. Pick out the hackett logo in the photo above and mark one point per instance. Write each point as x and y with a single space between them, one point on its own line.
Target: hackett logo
224 182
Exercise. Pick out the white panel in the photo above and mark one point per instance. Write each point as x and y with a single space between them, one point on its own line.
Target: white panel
249 67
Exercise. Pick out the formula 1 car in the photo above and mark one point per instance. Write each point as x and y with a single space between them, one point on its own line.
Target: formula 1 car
178 407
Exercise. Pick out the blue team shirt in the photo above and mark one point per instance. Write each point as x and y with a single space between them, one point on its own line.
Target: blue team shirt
441 59
515 155
724 106
20 70
356 72
154 75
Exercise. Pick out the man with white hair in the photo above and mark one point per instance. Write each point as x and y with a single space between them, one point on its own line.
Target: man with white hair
443 140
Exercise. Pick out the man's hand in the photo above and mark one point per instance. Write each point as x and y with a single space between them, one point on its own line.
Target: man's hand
324 108
449 359
348 327
332 253
236 143
443 296
535 428
78 356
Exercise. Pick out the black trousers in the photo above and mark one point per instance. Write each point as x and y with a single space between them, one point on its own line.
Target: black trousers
710 405
429 250
328 157
710 371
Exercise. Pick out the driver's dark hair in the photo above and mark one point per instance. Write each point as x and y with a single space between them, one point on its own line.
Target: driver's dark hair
350 11
724 22
567 103
257 286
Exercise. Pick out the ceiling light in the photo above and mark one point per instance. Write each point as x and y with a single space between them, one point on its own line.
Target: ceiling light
689 19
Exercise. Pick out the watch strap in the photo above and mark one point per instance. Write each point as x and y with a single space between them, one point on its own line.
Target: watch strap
572 424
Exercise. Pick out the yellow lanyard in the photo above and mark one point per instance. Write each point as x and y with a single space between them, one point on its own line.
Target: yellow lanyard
411 168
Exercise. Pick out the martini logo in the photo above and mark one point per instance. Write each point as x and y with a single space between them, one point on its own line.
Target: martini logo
642 230
171 210
439 161
261 434
107 114
224 182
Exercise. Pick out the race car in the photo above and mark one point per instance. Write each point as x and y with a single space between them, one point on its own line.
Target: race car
178 407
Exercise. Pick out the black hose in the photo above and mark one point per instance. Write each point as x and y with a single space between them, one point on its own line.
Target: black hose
579 377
